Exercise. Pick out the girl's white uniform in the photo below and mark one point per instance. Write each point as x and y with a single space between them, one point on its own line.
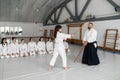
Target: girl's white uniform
1 51
49 47
60 49
66 46
32 48
23 49
9 50
41 47
14 49
5 50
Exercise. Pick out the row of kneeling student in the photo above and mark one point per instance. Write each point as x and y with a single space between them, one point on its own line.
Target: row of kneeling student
14 49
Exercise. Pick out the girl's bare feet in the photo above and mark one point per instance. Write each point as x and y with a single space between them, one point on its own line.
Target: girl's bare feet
66 68
49 68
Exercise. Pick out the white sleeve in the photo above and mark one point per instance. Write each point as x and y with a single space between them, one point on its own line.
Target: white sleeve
85 36
47 46
20 47
17 48
42 46
10 48
65 36
0 48
28 47
35 47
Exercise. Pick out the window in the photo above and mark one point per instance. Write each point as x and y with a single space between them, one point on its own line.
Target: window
7 30
2 30
20 31
11 30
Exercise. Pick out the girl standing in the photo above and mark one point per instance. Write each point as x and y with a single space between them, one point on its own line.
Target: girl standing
59 47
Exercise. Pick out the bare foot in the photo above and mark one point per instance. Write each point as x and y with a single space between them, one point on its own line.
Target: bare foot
66 68
49 68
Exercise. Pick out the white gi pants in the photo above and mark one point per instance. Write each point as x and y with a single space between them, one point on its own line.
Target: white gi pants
59 50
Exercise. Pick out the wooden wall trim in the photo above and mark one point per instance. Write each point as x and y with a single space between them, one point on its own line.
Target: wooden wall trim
76 41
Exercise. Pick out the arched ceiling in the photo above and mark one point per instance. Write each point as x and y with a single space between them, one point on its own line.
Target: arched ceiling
26 10
72 14
39 10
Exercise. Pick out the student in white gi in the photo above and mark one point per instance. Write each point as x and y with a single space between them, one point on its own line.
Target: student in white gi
59 47
23 48
14 47
1 54
5 48
32 47
9 49
49 46
66 46
41 46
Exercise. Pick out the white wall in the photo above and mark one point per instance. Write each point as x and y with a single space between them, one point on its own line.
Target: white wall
29 29
100 26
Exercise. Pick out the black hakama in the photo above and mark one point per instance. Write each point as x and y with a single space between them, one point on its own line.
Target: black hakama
90 56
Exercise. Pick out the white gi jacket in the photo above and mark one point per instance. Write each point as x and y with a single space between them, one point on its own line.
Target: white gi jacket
23 48
14 48
90 35
49 46
32 47
9 49
41 47
5 49
1 49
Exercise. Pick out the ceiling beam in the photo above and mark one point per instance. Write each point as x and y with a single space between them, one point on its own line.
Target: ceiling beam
68 11
51 20
113 3
50 14
76 7
59 13
79 16
91 20
55 20
84 8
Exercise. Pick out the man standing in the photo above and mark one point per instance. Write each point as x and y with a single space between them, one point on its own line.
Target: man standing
90 56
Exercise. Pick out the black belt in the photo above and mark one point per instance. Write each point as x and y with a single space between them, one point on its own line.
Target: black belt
93 42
